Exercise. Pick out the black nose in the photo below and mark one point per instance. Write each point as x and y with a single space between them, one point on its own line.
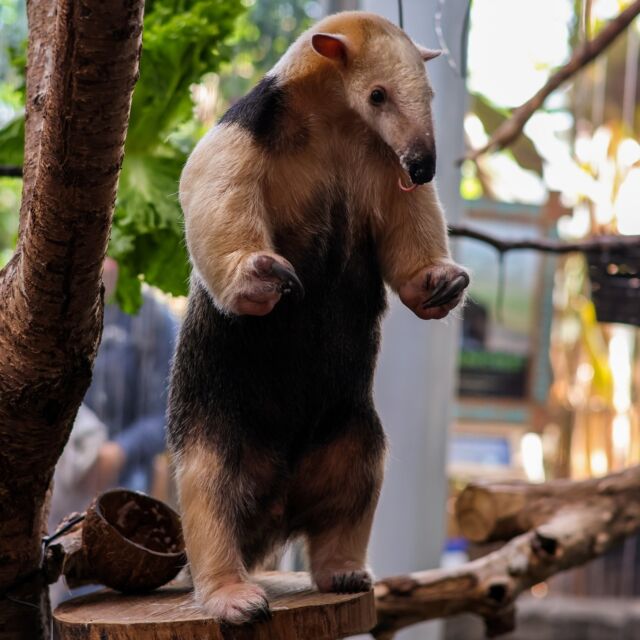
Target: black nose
423 170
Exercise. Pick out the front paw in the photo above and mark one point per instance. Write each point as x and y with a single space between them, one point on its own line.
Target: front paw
435 290
265 278
235 603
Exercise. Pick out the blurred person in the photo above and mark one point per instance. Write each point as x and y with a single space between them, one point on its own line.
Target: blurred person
78 476
78 472
119 428
128 392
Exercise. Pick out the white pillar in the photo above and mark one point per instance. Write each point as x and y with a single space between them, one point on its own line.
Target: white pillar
415 381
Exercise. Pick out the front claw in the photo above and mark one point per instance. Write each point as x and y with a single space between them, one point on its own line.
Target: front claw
289 283
447 292
434 291
263 280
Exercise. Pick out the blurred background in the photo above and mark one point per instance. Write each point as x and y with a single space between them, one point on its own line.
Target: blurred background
524 383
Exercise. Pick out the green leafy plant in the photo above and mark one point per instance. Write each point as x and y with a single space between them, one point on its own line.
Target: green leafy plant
183 40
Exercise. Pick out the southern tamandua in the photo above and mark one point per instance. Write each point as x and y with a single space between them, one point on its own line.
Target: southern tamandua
311 193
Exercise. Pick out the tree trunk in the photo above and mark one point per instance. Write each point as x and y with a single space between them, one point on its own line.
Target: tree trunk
82 67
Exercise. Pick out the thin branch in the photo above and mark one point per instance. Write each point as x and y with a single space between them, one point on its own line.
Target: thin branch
600 243
581 530
7 171
585 53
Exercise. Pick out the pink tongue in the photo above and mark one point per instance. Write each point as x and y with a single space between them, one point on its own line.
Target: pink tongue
412 187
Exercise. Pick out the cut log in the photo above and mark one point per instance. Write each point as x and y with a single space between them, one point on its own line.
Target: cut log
587 519
500 511
299 613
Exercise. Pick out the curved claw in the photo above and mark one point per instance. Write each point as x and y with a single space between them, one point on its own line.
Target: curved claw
262 614
436 292
443 295
290 283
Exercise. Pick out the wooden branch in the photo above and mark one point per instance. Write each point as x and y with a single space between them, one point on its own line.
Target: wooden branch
597 243
585 53
7 171
489 586
82 67
499 511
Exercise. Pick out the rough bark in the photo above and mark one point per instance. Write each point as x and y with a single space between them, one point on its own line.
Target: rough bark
83 63
500 511
577 532
490 585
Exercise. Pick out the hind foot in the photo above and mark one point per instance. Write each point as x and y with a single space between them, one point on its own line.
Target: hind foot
344 581
236 603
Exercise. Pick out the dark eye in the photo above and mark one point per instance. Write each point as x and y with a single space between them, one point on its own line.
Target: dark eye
378 96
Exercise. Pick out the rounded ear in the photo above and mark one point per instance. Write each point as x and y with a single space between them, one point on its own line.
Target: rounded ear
331 45
427 54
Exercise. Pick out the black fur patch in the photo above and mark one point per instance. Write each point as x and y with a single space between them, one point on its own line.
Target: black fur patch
274 380
286 384
261 111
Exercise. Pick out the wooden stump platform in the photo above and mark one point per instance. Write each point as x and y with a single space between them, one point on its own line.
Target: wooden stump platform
299 613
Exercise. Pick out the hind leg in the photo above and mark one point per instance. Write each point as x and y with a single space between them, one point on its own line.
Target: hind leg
338 557
211 501
339 484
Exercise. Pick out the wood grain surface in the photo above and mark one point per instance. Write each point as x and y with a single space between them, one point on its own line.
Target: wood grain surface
299 613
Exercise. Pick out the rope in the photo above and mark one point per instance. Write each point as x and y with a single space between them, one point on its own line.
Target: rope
46 541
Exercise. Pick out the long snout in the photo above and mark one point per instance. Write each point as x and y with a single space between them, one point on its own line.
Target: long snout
419 161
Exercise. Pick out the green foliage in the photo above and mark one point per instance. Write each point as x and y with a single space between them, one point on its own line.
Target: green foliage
9 203
13 29
263 34
183 39
12 142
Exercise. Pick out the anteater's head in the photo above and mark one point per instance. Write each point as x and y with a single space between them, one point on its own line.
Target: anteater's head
385 82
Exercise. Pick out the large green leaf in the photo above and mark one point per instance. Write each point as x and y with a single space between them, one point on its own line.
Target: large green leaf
183 39
147 236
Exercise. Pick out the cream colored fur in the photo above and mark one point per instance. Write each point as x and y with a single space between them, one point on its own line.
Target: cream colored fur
219 575
231 193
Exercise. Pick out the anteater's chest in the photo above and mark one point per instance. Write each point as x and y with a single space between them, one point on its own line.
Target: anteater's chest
332 248
287 371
